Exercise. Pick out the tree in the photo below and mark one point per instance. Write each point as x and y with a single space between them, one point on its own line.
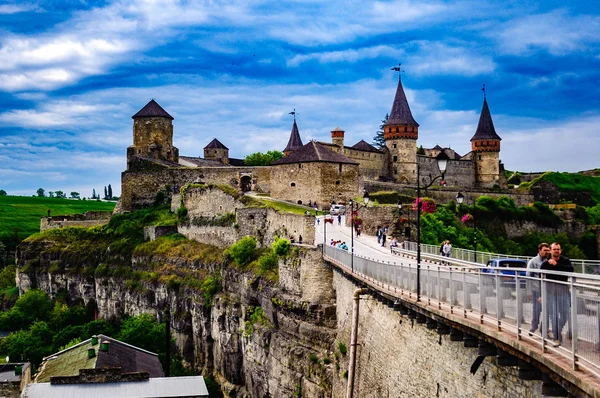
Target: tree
41 193
262 159
378 140
421 150
144 332
109 192
244 251
105 193
75 195
93 193
2 192
60 194
51 194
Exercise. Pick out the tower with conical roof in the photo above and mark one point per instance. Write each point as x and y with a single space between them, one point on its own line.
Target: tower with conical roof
485 145
294 142
401 132
337 137
152 135
215 150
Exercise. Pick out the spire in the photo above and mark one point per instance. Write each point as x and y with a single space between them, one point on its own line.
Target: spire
485 128
400 110
295 141
152 109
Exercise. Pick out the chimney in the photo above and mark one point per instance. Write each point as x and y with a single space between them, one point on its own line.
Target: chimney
104 346
337 137
91 353
94 340
18 369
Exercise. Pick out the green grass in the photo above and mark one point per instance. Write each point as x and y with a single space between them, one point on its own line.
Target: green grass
285 207
20 215
570 182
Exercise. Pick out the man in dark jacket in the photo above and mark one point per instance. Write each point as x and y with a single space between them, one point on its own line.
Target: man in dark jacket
558 293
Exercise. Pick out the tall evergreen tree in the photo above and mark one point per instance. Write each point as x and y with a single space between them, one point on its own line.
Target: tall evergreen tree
105 193
109 192
94 193
378 140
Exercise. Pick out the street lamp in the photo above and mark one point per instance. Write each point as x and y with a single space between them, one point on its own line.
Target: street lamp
352 203
442 163
460 199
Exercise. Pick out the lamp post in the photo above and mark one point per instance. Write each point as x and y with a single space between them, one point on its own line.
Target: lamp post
460 199
324 230
442 163
352 203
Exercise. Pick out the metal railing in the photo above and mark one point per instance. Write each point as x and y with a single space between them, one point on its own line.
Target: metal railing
540 309
581 266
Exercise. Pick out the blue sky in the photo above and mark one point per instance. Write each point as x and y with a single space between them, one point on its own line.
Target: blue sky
72 74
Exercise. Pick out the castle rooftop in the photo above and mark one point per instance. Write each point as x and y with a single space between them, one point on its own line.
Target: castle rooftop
152 109
314 152
485 128
400 110
215 144
295 141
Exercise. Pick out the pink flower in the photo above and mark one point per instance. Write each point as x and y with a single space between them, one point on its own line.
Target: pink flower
427 205
466 218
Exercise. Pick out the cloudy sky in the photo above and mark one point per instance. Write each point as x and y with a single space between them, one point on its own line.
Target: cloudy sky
73 72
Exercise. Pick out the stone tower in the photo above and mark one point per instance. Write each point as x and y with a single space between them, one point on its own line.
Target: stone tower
401 132
337 137
294 142
485 145
152 135
216 151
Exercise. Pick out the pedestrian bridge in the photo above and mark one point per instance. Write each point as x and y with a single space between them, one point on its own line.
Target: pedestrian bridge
492 309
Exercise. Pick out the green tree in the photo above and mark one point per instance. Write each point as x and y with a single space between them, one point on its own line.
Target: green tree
7 275
143 331
35 305
110 195
420 150
93 193
2 192
243 251
51 194
3 257
105 193
378 140
262 159
60 194
75 195
41 193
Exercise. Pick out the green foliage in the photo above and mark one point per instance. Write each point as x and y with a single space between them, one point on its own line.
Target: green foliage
225 220
262 159
243 252
176 245
256 316
143 331
211 285
268 263
342 348
388 197
2 192
7 277
421 151
70 344
570 182
378 139
326 360
281 246
313 358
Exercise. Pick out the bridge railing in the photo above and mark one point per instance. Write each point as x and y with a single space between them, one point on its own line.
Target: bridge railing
582 266
537 307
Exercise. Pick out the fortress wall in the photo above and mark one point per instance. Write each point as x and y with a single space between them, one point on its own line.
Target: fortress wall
285 225
348 182
306 179
209 202
139 188
371 164
397 357
212 235
375 216
88 219
308 277
459 173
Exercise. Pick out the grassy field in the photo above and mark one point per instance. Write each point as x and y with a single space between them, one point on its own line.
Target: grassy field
20 215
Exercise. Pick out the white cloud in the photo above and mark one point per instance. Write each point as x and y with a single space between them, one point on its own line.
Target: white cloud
556 32
16 8
349 55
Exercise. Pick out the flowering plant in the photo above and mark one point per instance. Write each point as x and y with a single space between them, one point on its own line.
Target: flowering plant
329 220
358 221
403 220
427 205
466 218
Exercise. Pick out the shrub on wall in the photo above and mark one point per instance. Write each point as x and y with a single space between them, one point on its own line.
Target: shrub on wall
243 252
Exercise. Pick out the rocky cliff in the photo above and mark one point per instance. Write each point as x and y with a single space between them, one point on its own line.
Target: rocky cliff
256 337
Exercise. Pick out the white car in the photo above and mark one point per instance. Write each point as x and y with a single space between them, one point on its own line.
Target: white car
337 209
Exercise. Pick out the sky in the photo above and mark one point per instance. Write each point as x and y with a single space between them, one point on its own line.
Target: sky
73 72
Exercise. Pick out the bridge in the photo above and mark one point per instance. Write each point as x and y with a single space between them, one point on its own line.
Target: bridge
490 309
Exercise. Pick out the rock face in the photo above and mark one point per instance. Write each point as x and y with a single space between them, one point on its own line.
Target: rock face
279 356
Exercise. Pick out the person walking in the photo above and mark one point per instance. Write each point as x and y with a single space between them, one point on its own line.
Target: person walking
339 219
534 284
558 294
447 249
379 233
384 236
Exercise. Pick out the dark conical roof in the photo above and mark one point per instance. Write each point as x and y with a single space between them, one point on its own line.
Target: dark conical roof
485 128
400 110
152 109
314 152
215 144
295 142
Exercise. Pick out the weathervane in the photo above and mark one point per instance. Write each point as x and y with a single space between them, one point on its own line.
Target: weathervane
399 70
483 89
293 113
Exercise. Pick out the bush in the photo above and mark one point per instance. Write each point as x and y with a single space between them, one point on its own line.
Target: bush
313 358
244 251
342 348
268 263
281 246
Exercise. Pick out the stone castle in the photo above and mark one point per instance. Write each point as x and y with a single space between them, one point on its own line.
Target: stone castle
314 172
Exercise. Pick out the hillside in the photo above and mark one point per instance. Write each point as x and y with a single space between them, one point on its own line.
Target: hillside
20 215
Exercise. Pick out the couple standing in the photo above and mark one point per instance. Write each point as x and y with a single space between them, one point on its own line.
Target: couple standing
558 301
446 249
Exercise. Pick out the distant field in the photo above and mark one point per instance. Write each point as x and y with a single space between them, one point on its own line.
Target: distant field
22 213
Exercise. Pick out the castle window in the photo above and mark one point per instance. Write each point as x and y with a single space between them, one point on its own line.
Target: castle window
405 129
299 165
340 168
395 158
479 157
220 207
251 216
293 184
394 145
337 182
395 170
